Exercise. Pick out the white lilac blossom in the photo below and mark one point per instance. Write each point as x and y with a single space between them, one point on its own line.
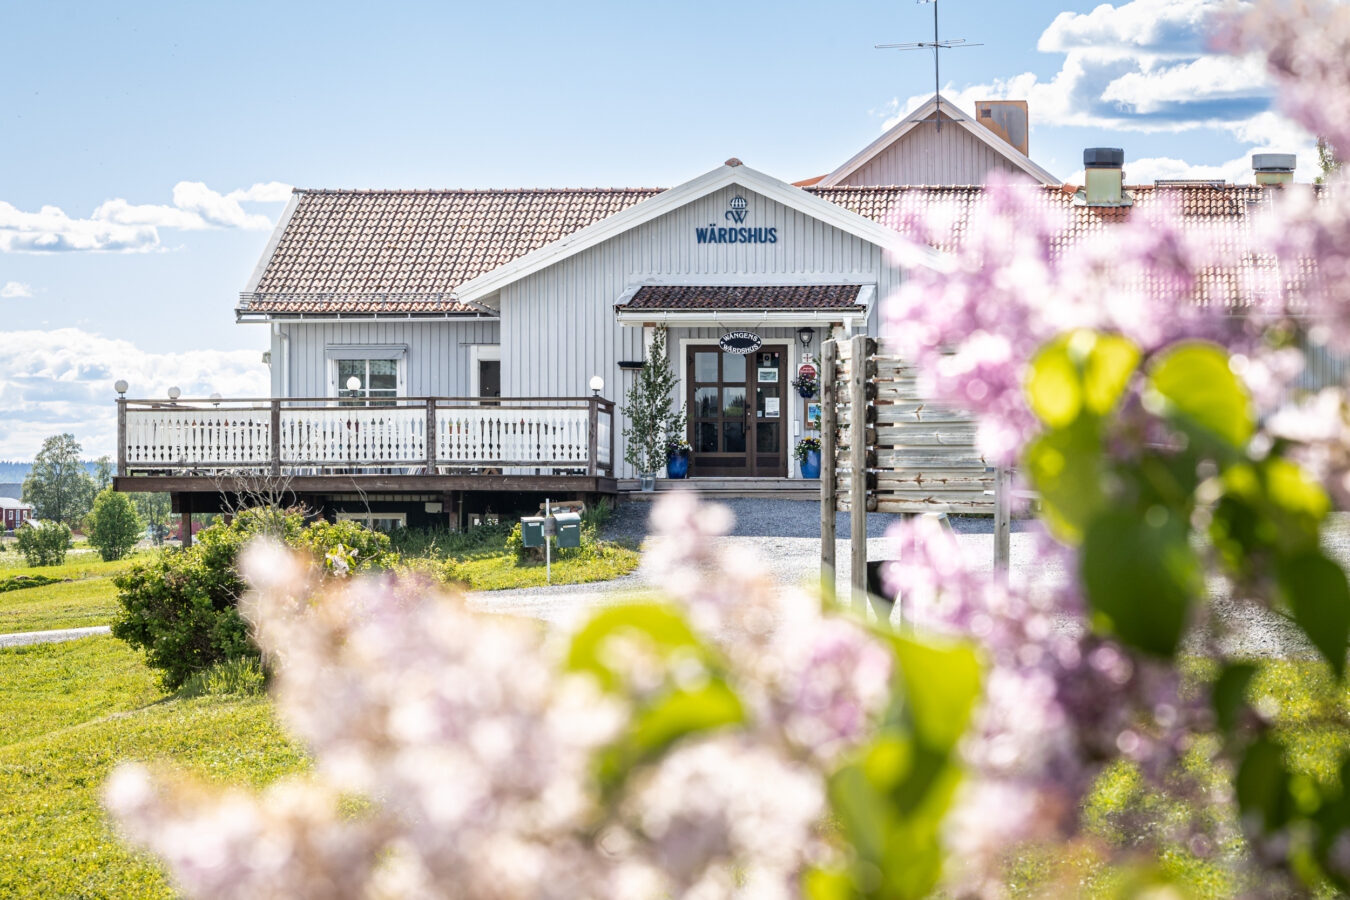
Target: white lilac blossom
474 747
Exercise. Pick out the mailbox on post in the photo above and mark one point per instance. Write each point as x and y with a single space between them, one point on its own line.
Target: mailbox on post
569 530
532 531
535 531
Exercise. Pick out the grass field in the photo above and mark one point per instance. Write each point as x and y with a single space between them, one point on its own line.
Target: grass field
70 712
88 598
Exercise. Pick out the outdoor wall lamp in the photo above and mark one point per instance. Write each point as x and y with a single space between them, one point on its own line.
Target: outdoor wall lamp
805 335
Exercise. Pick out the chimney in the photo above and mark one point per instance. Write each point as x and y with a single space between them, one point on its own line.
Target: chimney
1006 118
1104 174
1273 168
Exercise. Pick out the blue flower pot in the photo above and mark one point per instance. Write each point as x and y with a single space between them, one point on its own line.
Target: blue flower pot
678 465
811 468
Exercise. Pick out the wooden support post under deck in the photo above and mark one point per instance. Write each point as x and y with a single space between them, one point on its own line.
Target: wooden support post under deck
276 438
431 435
185 521
857 447
593 437
829 438
122 436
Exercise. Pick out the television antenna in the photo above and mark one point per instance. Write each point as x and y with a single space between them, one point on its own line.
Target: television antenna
937 45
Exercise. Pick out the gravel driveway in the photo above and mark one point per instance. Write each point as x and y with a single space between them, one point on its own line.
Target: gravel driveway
785 536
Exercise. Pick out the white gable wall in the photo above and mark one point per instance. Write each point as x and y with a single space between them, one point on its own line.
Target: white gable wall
923 156
558 325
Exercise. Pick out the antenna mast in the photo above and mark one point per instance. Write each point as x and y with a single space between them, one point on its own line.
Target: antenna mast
936 45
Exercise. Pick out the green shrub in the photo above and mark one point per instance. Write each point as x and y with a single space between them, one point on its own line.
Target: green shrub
114 527
181 607
44 543
19 582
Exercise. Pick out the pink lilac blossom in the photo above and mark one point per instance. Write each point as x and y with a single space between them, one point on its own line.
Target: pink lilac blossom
1058 703
1010 286
474 747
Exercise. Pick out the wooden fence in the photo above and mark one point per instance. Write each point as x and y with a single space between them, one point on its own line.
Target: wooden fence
884 448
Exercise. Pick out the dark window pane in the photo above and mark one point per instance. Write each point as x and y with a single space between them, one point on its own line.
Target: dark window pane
705 434
705 366
733 367
489 378
766 437
705 403
733 437
733 401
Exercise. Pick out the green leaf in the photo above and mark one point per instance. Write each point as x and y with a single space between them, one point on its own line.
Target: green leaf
1065 468
1316 590
942 685
664 631
1263 784
1194 385
1080 371
1230 693
1141 577
684 712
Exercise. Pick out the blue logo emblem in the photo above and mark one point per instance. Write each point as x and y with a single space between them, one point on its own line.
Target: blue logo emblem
739 207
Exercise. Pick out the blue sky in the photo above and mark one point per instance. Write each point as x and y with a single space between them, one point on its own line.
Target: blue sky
145 148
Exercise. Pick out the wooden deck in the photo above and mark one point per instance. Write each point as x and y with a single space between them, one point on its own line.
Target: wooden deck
316 445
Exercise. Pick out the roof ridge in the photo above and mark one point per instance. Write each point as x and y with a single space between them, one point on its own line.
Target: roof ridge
521 190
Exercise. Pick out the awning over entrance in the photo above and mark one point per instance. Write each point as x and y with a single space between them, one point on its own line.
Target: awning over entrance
788 304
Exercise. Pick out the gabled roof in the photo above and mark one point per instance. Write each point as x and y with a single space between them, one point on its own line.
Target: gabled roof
732 172
953 114
407 251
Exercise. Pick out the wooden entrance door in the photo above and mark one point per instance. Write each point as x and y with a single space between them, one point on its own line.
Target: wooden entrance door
737 412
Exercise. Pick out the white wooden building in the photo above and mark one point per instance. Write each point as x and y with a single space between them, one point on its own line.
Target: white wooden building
432 349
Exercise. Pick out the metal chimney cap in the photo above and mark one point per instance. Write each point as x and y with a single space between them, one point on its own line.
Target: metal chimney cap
1274 162
1103 158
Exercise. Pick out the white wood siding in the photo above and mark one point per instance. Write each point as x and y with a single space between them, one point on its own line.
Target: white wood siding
437 361
923 156
559 326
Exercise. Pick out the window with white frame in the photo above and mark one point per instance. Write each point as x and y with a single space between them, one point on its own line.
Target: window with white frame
369 382
376 521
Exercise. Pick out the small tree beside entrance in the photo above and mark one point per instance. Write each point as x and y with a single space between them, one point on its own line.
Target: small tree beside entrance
650 410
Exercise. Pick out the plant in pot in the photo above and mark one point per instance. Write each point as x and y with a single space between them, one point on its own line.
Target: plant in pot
677 457
806 385
808 456
652 418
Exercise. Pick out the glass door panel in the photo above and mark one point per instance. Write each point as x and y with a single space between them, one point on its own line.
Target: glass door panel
737 412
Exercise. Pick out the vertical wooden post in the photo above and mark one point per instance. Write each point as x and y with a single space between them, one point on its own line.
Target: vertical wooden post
1002 517
857 448
185 520
275 430
431 435
122 436
829 445
612 461
593 436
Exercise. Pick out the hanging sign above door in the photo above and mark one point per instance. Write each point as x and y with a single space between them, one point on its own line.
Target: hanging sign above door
741 342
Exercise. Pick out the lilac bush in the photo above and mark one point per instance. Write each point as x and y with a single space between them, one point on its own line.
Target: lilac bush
740 740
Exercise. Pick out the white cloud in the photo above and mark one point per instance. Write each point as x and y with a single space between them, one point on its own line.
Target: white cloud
1162 27
12 290
119 226
1206 78
62 380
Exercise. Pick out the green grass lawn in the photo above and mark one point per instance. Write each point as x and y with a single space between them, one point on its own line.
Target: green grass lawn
87 598
70 712
481 560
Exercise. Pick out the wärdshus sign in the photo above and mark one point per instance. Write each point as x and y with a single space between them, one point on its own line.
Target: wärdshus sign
741 342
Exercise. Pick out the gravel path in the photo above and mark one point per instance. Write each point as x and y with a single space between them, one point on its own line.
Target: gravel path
785 536
50 637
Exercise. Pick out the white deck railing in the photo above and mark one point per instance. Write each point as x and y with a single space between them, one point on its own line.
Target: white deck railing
410 436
